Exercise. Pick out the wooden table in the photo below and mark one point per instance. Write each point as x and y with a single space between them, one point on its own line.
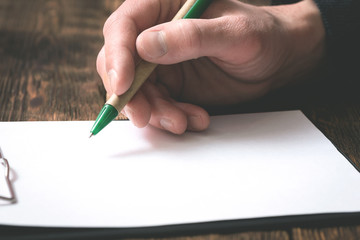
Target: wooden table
47 72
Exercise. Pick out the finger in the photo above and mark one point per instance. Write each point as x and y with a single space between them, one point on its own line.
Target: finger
101 69
179 41
138 110
164 114
167 116
197 118
120 32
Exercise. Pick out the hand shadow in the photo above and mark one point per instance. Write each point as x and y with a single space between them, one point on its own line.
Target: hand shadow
239 130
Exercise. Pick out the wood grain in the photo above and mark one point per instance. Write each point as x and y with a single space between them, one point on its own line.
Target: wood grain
334 233
279 235
48 50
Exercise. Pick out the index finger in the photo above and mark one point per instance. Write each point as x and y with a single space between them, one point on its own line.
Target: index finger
120 33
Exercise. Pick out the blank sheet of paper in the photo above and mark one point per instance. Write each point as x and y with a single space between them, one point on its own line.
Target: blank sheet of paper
244 166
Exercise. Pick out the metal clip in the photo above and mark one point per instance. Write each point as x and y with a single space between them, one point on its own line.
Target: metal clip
5 163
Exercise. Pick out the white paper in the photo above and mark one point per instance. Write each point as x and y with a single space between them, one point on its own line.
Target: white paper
243 166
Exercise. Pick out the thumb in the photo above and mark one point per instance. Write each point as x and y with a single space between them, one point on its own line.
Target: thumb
181 40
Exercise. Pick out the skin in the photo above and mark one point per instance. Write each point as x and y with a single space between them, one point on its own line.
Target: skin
235 53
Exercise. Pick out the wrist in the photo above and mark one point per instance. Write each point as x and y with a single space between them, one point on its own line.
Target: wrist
305 36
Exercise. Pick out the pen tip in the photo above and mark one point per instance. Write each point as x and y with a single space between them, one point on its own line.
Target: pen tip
90 135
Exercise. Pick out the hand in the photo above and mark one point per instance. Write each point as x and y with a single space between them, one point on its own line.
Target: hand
237 52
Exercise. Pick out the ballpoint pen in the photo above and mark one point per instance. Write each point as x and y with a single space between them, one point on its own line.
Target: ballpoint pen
111 109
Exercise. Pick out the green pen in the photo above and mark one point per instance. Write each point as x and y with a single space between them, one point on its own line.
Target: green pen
113 106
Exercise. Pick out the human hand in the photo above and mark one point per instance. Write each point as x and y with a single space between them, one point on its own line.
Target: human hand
236 53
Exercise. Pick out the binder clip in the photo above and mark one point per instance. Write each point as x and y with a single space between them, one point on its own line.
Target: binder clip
5 163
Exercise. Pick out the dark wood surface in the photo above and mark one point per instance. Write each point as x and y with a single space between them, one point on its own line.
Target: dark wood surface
47 72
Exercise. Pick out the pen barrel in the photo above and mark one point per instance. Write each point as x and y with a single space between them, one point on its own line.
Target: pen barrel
184 10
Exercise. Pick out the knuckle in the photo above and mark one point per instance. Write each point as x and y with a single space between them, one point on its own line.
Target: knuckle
99 63
195 37
190 37
109 23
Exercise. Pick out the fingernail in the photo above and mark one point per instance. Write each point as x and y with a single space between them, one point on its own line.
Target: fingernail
156 45
166 124
112 76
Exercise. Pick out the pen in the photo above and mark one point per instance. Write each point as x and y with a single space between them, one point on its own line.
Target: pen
111 109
